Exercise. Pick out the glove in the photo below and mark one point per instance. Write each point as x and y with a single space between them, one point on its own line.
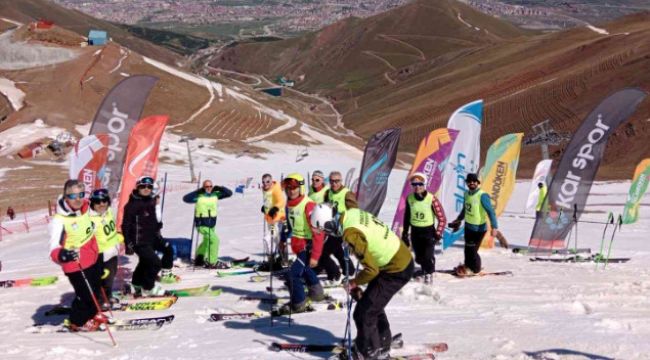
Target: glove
263 209
356 293
405 238
68 255
129 248
274 210
454 225
436 237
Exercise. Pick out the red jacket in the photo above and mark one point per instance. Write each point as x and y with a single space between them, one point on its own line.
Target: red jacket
88 253
298 244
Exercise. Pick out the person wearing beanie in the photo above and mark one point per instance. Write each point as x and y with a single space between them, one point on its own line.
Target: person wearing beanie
478 208
422 212
318 189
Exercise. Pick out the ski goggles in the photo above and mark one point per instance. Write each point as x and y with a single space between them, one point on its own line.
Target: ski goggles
291 184
144 186
414 184
100 195
76 196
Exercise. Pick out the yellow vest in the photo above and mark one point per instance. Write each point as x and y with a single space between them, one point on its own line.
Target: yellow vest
105 231
474 212
338 199
318 196
421 212
298 220
78 230
383 244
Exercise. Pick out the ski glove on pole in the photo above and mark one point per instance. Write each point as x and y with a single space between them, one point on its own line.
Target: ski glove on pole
66 255
274 210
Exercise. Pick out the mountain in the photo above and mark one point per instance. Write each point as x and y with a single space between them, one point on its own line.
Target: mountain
440 61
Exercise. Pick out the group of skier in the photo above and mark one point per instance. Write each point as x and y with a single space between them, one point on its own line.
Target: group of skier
322 226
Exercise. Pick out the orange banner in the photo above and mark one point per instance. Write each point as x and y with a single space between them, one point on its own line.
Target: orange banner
141 156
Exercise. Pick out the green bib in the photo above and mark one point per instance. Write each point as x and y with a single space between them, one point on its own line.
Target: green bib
318 196
540 199
106 233
298 220
421 212
268 200
338 199
383 244
474 212
206 206
78 230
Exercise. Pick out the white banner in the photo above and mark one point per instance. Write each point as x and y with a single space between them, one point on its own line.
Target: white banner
541 173
464 159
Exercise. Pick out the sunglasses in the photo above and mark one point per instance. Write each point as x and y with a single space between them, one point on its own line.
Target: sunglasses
417 184
316 180
101 201
76 196
208 187
150 187
335 181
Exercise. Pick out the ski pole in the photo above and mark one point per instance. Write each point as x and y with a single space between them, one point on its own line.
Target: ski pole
610 220
575 221
192 233
106 300
271 260
162 201
611 241
347 335
92 295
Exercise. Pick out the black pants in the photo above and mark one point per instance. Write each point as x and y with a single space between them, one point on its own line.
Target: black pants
83 306
149 264
424 246
373 329
107 283
333 246
472 244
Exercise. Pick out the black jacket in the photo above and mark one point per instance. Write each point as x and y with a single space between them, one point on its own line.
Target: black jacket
140 225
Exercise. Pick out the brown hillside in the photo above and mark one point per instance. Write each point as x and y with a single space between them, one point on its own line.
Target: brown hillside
523 78
30 10
352 56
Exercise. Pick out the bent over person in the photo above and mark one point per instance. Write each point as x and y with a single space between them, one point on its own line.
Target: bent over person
387 267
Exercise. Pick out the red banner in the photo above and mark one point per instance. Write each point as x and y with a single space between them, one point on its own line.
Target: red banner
141 156
88 160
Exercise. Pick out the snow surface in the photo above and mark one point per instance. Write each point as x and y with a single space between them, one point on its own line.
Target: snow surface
544 311
15 95
598 30
22 55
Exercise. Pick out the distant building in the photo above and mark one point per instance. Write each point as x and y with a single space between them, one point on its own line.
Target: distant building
285 82
274 91
41 25
97 37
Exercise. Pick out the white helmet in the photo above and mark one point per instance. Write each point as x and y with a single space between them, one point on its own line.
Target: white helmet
420 175
324 218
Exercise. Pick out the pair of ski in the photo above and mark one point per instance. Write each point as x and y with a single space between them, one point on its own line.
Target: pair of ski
596 258
37 281
153 323
140 304
335 305
339 350
479 274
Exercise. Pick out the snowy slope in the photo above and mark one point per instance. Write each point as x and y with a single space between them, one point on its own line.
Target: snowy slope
571 308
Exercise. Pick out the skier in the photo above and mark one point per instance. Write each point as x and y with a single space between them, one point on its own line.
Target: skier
109 241
318 189
387 267
422 211
141 228
11 213
205 219
342 199
73 246
305 243
543 190
273 209
478 208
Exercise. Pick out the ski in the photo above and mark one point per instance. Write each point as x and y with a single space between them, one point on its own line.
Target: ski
236 316
38 281
396 343
480 274
120 325
139 304
312 307
183 292
235 273
525 251
274 300
579 259
285 288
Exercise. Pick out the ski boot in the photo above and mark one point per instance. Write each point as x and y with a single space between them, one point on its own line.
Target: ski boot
166 277
287 308
316 293
428 279
199 261
155 291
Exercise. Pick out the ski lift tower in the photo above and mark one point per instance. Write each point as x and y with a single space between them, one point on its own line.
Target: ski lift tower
186 139
544 135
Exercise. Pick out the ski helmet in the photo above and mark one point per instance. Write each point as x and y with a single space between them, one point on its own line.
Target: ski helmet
324 217
293 181
145 180
420 175
98 196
